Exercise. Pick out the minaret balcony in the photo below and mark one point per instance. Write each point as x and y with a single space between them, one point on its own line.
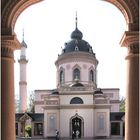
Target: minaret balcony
22 57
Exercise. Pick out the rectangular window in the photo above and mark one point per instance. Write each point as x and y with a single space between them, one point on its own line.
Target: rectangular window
115 128
16 128
38 129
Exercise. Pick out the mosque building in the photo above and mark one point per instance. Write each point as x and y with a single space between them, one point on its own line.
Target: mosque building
76 107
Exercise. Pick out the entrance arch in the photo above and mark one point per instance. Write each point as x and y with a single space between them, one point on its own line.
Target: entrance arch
77 126
10 12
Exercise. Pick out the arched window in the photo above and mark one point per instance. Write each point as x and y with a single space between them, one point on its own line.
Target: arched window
91 75
76 100
61 77
76 74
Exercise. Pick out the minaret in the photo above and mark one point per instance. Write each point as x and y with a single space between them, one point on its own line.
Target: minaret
23 83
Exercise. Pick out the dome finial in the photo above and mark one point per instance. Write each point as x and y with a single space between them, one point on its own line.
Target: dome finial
76 20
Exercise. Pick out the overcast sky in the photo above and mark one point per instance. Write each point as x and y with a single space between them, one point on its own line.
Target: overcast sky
48 25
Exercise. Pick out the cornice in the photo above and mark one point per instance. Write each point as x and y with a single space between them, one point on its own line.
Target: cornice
76 93
129 38
76 57
101 106
114 101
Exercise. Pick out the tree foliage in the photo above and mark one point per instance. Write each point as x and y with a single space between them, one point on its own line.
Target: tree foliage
17 104
122 105
31 103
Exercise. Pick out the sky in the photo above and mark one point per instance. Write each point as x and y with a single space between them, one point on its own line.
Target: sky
49 24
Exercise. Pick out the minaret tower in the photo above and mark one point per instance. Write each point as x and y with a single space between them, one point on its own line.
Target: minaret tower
23 82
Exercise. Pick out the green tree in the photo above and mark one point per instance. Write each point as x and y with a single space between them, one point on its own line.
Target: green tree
122 105
28 130
17 104
31 102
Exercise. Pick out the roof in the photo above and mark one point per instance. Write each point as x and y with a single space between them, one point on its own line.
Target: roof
98 91
23 44
55 92
33 116
116 116
77 43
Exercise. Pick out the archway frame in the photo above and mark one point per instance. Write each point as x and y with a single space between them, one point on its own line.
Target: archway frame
11 9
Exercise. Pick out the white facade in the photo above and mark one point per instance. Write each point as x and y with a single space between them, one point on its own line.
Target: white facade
95 112
77 107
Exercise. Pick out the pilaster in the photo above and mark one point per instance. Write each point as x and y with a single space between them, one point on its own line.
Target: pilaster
121 128
32 129
19 129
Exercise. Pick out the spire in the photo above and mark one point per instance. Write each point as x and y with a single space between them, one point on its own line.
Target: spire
76 34
76 20
23 35
23 42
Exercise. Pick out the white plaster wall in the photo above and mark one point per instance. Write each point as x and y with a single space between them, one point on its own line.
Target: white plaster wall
22 72
23 97
65 116
107 122
40 93
65 99
46 123
23 51
85 66
110 91
38 96
115 107
39 109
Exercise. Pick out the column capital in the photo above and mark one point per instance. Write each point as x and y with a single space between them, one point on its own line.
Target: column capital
129 38
8 45
10 41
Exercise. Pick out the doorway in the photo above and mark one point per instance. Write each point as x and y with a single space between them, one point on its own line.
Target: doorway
76 126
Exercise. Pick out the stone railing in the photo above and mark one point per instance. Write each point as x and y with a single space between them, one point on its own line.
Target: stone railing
62 89
52 102
101 101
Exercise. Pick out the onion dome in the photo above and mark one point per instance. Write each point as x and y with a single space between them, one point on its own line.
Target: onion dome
77 43
76 34
23 44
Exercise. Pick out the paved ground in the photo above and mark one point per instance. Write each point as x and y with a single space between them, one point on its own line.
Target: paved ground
67 139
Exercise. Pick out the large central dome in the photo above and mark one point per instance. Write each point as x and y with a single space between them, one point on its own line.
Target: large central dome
77 43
